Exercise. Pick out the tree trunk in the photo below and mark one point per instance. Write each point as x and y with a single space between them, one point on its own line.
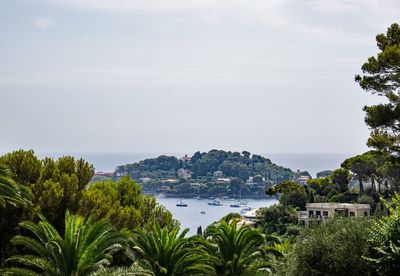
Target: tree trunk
373 186
361 186
379 186
284 208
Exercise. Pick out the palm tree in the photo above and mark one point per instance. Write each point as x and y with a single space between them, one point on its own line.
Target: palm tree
240 251
85 248
168 253
10 192
12 197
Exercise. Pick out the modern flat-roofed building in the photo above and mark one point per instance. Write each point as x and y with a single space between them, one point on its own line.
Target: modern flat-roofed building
322 211
303 179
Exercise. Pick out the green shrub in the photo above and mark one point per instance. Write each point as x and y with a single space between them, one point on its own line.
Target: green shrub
366 199
333 248
293 230
384 239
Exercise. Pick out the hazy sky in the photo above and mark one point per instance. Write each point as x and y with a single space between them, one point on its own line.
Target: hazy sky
183 75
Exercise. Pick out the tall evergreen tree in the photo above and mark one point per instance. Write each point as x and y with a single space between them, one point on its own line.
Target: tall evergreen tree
381 76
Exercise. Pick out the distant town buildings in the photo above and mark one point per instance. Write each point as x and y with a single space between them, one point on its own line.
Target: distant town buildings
303 179
145 180
184 173
317 212
223 180
250 181
119 174
170 180
106 174
195 184
218 174
186 159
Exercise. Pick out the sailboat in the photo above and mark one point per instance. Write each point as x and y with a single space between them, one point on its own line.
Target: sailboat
239 203
180 203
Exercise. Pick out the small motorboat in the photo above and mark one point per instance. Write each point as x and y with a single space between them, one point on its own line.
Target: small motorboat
202 212
236 205
180 203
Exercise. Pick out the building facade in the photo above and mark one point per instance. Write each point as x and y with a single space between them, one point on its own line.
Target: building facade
317 212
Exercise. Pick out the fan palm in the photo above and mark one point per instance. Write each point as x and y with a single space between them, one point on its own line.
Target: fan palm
10 192
86 247
168 253
240 251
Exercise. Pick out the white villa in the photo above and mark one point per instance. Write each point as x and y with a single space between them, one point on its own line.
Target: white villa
321 211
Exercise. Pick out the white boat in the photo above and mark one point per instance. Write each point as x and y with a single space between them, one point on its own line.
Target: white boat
180 203
215 202
197 197
244 210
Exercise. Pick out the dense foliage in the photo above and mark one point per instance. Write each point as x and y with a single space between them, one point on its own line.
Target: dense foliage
333 248
122 203
11 194
170 253
384 238
30 186
56 185
84 248
239 250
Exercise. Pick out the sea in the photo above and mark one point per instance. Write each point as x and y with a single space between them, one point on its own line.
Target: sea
191 217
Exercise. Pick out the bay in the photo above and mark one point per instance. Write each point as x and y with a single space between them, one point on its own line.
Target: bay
191 217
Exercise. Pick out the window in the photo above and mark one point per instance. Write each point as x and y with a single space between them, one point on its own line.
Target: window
365 214
325 213
310 213
352 214
318 214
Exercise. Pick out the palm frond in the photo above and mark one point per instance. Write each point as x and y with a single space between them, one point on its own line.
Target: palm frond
85 247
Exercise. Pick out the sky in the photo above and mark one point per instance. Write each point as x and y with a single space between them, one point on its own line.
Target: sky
187 75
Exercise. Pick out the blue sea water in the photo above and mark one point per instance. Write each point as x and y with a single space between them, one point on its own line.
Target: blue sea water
191 217
311 162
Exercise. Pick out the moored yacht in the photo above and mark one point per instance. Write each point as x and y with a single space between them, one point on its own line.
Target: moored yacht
215 202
